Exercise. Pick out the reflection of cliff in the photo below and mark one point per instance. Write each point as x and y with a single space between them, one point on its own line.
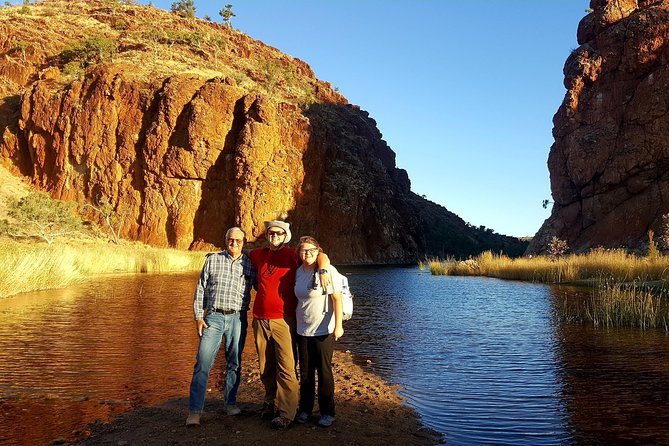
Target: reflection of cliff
608 165
614 382
192 127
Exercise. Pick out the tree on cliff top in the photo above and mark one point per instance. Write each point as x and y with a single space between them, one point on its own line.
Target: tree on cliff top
185 8
227 14
37 215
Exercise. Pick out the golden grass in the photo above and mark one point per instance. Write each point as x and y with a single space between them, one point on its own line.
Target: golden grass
598 265
615 305
36 266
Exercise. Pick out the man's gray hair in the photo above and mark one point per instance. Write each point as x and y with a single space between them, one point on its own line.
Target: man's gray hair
234 228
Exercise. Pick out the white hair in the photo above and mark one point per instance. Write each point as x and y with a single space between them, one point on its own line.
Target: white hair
231 230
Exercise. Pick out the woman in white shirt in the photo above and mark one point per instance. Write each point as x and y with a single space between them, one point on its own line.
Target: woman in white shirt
319 325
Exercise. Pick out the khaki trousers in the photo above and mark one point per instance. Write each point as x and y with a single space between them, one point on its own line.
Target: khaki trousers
275 343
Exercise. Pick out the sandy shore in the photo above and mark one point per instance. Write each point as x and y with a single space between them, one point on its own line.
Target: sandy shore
368 413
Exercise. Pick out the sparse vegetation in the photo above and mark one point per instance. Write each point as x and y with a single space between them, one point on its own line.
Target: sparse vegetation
22 46
73 69
277 74
37 216
156 44
185 8
171 37
113 219
89 51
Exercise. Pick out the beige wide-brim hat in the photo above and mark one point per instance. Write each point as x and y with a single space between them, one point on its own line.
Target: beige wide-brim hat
281 225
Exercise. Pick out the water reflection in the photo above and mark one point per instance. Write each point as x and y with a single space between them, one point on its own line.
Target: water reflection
615 381
482 360
476 356
71 356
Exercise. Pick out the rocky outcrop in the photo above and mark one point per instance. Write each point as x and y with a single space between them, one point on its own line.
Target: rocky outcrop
609 163
184 155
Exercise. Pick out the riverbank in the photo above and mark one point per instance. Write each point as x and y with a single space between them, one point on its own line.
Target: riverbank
595 266
32 266
369 412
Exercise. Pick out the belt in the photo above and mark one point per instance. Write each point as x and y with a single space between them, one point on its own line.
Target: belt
218 310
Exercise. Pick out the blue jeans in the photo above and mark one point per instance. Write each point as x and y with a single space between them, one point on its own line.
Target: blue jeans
233 328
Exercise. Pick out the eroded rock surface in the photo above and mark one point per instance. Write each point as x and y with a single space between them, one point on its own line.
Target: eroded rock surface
608 165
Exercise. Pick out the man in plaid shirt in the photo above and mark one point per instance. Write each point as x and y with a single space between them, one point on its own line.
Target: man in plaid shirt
221 302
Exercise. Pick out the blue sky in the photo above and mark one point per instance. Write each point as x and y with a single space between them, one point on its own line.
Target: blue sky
464 92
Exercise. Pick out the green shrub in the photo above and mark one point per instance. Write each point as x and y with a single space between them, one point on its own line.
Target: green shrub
119 25
185 8
169 37
73 69
37 215
89 51
21 46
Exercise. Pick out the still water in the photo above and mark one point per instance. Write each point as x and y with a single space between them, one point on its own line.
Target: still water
483 361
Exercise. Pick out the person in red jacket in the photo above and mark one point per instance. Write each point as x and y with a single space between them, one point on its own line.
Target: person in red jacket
274 322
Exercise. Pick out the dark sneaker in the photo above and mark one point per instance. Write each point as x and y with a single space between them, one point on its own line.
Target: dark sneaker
280 423
268 412
326 421
302 417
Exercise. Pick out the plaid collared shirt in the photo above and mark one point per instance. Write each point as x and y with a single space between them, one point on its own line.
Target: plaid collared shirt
225 284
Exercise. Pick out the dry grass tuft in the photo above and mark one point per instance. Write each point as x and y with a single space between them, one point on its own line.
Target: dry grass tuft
35 266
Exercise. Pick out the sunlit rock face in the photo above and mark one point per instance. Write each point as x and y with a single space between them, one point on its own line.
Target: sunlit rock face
185 155
194 156
609 163
188 159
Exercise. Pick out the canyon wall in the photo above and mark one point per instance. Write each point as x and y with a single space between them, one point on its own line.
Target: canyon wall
609 163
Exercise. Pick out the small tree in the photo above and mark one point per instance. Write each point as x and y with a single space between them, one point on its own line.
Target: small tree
38 215
653 253
22 46
185 8
227 14
113 220
557 247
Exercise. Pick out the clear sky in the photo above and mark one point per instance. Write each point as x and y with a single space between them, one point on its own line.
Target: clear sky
464 92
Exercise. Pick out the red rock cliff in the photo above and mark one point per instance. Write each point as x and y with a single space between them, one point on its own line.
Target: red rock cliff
608 165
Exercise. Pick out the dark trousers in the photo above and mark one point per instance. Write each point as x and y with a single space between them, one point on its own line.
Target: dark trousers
315 353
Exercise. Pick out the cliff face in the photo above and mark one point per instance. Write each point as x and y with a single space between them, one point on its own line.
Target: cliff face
237 134
608 165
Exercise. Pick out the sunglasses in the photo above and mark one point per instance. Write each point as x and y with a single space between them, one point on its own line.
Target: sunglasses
275 233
